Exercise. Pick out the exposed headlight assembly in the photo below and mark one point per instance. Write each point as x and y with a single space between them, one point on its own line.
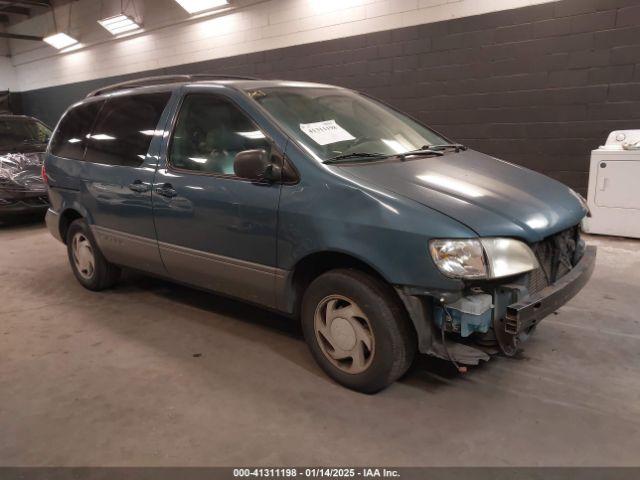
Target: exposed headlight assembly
482 258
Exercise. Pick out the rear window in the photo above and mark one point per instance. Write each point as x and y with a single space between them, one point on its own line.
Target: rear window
124 129
20 131
70 136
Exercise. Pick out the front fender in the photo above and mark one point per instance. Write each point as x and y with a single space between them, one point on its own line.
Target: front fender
387 232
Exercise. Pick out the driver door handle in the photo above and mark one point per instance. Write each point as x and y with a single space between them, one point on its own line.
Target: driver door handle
166 190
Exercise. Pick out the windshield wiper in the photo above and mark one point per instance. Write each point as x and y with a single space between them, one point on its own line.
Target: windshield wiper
420 151
349 156
424 150
431 150
444 146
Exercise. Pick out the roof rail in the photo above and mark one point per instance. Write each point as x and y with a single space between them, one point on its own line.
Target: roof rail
164 79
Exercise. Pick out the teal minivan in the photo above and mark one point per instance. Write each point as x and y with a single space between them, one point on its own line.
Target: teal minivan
384 237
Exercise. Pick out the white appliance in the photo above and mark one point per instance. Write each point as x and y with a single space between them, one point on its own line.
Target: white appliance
614 186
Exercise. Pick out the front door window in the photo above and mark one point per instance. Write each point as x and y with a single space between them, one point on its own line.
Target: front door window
209 132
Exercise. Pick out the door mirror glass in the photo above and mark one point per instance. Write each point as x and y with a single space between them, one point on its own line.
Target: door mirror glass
255 165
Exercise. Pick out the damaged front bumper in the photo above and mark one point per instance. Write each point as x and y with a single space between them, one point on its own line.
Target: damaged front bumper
515 313
527 311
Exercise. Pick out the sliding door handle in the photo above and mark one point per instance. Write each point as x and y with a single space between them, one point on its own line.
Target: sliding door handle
138 187
166 190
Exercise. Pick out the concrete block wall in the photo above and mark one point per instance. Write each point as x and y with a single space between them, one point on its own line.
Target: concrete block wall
7 75
171 37
540 85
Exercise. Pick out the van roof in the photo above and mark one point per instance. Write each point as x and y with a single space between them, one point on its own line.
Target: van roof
172 80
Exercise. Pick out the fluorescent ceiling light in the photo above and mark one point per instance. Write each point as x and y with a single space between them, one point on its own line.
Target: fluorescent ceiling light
195 6
151 133
453 184
252 135
60 40
119 24
101 136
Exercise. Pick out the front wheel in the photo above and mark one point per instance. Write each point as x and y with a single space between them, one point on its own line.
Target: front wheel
357 330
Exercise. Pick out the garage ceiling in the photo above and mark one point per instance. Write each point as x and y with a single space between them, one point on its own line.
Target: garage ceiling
12 12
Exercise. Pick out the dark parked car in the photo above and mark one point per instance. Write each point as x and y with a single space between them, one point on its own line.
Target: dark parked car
23 141
383 236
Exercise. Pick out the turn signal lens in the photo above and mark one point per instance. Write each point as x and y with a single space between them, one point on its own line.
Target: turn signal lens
508 257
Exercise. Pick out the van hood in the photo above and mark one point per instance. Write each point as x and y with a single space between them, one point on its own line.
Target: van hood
488 195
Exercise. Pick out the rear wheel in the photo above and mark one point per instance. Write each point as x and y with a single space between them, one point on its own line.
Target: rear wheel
357 331
89 266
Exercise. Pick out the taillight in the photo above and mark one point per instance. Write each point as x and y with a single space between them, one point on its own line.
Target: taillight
45 179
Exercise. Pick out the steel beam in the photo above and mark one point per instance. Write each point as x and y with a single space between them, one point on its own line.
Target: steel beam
15 36
15 10
28 3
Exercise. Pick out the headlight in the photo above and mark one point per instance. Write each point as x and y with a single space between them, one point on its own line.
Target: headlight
482 258
459 258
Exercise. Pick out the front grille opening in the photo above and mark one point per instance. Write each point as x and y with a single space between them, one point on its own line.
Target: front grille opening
557 255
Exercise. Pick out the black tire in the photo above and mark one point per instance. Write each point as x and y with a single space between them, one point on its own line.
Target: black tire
104 274
394 338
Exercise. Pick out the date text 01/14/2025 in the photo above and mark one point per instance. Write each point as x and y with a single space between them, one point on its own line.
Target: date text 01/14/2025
316 472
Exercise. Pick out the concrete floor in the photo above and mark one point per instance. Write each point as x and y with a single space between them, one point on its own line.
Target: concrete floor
156 374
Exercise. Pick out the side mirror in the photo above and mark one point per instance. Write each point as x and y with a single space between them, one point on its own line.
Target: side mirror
256 165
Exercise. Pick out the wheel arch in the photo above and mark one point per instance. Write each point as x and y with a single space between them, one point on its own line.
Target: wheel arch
67 217
315 264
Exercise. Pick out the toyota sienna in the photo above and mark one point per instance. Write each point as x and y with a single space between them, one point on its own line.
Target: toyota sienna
384 237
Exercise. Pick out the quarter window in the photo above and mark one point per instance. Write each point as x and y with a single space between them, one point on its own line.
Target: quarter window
209 132
124 129
70 136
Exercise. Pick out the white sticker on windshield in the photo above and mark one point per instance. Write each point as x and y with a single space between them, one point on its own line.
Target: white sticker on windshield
324 133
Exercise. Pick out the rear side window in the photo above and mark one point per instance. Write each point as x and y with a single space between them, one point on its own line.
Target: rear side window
69 139
124 129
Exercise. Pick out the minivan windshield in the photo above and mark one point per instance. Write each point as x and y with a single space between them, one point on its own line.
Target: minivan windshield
335 123
16 132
